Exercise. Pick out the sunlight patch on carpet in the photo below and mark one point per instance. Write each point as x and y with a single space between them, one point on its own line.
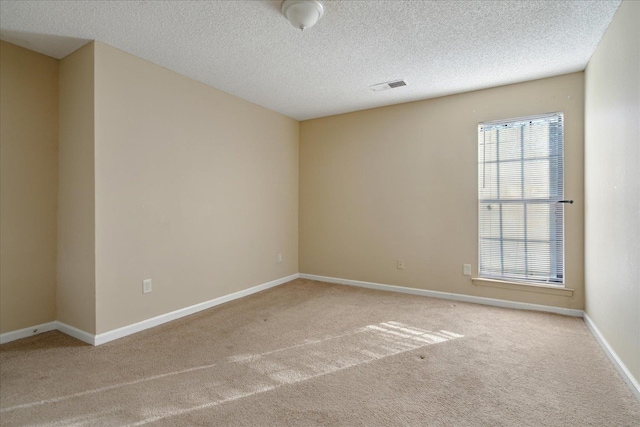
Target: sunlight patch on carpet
324 357
237 377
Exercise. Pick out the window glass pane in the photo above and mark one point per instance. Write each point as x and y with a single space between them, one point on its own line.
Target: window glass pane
514 263
538 221
490 259
536 140
510 180
509 143
489 220
512 221
537 179
488 182
539 257
487 148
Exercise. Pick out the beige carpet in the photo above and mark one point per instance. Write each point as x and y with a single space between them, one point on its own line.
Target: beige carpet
309 353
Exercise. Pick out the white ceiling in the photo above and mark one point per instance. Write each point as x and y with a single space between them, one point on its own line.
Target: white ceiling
248 49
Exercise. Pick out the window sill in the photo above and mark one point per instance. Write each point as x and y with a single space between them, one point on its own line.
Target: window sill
528 287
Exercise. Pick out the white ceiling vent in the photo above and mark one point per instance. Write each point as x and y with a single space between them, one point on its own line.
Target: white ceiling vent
388 85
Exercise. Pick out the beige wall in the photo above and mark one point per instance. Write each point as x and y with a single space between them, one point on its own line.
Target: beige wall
29 171
400 182
76 212
612 186
195 189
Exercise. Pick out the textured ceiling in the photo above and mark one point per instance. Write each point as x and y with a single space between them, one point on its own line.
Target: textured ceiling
248 49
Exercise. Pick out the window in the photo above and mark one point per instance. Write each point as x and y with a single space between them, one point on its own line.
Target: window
520 199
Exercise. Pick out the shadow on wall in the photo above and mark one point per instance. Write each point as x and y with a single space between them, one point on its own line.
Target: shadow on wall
47 44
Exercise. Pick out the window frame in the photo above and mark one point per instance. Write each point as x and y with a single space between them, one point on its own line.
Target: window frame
561 255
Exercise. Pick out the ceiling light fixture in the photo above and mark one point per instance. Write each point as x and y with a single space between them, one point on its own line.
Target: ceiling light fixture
303 14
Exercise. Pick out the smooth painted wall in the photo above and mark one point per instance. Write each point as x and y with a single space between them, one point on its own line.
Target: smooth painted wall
195 189
400 182
612 186
76 296
28 181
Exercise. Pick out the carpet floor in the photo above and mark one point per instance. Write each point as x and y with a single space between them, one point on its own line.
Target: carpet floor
309 353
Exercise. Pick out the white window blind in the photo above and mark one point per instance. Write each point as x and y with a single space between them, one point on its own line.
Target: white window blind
521 199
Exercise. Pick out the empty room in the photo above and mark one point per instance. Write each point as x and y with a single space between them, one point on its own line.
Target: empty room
305 212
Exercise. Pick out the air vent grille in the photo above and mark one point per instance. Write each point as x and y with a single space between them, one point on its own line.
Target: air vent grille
397 84
388 85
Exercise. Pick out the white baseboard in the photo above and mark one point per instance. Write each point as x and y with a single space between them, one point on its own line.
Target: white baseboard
76 333
615 360
140 326
446 295
167 317
27 332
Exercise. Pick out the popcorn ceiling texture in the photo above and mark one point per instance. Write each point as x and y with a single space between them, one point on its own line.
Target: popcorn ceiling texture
248 49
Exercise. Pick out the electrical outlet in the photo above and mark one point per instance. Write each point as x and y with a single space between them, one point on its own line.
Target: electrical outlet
279 257
400 264
466 269
146 286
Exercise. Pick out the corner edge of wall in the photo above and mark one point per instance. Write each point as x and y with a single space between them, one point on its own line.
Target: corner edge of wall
617 363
